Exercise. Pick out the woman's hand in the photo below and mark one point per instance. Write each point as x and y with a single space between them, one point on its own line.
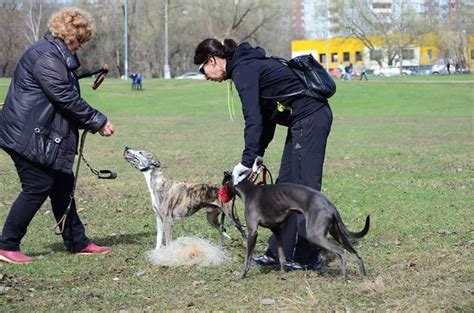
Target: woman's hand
107 130
257 164
239 173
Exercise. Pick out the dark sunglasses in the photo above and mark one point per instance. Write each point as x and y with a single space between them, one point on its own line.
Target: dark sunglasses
201 67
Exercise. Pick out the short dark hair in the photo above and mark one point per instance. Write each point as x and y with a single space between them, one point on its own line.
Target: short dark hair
212 47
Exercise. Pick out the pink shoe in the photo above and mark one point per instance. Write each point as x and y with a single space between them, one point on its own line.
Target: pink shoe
92 248
14 257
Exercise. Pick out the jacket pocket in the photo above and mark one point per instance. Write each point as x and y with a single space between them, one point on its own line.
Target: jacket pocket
43 146
281 114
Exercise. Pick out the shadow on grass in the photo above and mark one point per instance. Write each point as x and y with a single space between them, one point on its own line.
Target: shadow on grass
111 240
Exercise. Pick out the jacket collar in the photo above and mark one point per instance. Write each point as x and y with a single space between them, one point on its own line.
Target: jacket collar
242 52
71 60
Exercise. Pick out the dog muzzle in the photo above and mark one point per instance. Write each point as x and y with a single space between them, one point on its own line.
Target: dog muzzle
224 195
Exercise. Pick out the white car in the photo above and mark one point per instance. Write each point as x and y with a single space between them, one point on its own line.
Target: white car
391 71
191 75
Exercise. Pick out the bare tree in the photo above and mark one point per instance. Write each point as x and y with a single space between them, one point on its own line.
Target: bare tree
395 29
454 33
33 16
262 22
11 44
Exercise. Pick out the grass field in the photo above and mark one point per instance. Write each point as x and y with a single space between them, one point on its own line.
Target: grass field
400 150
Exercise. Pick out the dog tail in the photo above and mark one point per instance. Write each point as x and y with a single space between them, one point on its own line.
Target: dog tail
350 234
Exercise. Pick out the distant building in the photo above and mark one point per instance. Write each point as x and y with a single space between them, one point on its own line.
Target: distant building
317 19
347 50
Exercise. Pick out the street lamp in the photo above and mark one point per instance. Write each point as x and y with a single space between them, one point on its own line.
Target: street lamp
125 35
166 70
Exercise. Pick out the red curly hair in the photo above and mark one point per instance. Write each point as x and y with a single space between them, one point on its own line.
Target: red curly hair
71 23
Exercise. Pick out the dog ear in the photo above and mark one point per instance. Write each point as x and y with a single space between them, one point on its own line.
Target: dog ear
156 163
227 177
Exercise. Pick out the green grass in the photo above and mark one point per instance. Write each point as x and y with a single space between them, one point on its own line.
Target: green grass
400 150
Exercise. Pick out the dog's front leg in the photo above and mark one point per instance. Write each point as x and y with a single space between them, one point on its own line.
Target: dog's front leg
251 240
159 231
168 228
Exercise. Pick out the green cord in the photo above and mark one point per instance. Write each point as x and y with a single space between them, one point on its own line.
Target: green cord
230 100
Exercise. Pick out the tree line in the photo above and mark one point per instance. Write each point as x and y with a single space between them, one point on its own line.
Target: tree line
266 23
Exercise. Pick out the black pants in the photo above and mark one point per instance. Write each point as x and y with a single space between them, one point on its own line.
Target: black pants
37 183
302 163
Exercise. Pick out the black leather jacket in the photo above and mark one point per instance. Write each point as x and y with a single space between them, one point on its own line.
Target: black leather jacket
43 110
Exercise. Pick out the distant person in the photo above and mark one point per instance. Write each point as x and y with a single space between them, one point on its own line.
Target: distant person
133 77
363 74
457 67
448 66
348 70
138 81
39 127
342 71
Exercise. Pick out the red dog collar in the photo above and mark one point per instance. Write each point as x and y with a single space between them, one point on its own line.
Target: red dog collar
224 194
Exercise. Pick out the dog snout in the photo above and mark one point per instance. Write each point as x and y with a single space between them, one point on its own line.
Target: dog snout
125 152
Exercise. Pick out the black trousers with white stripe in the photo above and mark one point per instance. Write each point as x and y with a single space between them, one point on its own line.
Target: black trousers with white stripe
302 163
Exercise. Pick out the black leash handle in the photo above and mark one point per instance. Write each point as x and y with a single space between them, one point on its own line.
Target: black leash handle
101 174
107 174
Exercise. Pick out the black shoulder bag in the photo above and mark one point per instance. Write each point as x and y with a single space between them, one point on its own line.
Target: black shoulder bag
314 77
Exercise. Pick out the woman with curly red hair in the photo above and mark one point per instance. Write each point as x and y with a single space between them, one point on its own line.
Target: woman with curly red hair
39 127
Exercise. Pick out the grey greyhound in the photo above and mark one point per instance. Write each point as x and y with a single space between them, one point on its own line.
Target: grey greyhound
269 205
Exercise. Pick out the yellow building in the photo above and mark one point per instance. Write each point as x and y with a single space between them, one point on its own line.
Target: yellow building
347 50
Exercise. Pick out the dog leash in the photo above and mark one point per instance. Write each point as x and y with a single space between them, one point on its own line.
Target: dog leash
59 228
262 169
101 174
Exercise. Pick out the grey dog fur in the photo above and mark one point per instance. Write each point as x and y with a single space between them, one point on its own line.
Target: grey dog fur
269 205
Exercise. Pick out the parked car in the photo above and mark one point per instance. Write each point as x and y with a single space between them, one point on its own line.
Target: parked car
392 71
422 70
191 75
441 69
438 69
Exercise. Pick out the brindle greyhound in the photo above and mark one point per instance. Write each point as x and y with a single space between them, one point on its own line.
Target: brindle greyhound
175 200
269 205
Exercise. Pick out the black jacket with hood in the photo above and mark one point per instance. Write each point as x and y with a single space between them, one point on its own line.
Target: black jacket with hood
43 110
256 76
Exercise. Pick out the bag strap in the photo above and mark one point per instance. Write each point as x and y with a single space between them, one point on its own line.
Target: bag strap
303 92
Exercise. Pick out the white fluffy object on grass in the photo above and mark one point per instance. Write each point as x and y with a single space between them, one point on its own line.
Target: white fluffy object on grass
188 251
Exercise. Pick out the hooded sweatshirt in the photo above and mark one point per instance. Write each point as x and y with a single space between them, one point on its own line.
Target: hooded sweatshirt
256 76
